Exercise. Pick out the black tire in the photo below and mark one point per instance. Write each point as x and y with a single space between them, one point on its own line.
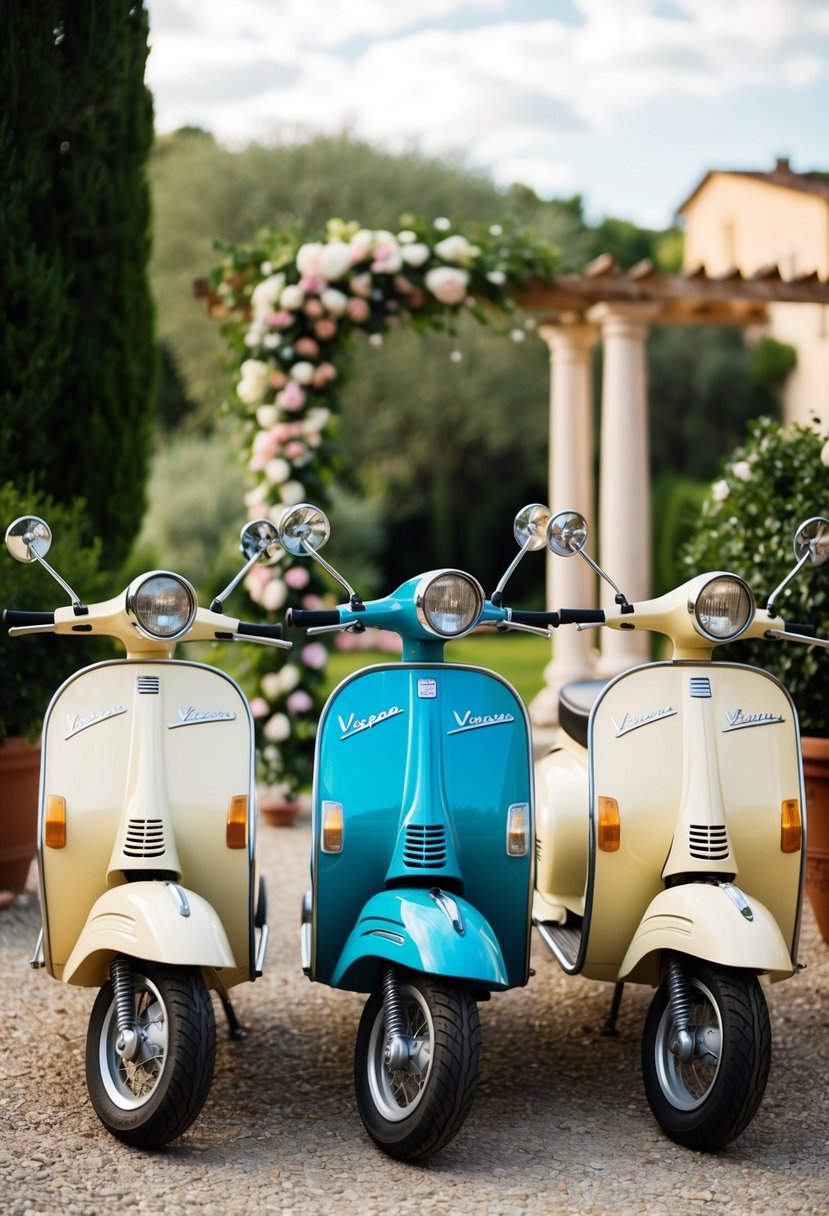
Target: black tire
411 1114
708 1101
151 1100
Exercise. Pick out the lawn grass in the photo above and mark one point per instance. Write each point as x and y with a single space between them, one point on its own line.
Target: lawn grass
519 657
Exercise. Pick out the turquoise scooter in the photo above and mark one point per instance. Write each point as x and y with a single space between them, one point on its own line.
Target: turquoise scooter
422 830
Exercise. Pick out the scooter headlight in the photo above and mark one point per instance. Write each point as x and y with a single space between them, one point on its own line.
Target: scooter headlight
163 605
724 608
449 603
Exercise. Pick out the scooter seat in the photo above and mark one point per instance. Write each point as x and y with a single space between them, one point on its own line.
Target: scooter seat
575 702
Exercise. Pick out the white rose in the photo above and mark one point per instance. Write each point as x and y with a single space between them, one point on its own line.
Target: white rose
334 301
309 258
316 419
292 298
266 294
362 285
292 492
447 285
407 237
251 388
720 491
415 255
277 728
335 260
274 595
742 470
302 372
266 416
288 677
454 249
277 471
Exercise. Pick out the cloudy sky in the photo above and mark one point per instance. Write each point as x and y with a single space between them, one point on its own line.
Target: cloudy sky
627 102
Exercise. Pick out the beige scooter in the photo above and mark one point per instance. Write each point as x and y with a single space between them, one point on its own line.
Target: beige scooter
671 839
149 887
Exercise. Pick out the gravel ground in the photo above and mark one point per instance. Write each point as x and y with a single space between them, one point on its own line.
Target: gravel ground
560 1123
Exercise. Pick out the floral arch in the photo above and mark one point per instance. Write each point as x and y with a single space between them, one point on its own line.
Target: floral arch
293 309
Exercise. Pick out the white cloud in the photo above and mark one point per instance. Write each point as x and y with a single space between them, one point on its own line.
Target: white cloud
446 75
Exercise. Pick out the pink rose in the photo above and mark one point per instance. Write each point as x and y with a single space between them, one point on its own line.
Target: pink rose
312 283
297 577
295 450
299 702
357 310
292 396
325 328
281 319
307 348
313 309
259 707
314 655
277 379
447 285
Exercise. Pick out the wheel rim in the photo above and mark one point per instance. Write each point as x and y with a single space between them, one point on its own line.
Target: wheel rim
686 1084
132 1083
396 1092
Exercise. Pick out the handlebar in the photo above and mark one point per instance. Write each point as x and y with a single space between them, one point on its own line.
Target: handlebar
14 618
552 620
312 616
249 630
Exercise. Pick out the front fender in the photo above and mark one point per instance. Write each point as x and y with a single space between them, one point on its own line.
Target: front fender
704 920
438 934
144 920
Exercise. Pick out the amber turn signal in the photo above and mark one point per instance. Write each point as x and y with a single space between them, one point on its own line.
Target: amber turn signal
609 835
237 822
332 827
791 827
54 823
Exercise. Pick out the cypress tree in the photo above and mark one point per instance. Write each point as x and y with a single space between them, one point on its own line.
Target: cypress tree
77 355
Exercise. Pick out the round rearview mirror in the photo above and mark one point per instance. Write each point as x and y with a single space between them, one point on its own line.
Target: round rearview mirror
303 527
28 536
567 533
530 526
811 540
260 537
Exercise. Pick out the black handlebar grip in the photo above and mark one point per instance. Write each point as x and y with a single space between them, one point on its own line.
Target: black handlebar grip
581 616
259 631
15 616
805 631
312 616
543 620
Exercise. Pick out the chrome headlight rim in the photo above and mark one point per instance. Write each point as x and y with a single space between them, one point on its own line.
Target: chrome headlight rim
424 614
185 620
696 606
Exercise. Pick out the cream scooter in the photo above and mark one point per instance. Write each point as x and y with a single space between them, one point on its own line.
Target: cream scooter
149 887
671 824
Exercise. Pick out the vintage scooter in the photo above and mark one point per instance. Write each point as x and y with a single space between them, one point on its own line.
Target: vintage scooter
671 839
149 886
422 828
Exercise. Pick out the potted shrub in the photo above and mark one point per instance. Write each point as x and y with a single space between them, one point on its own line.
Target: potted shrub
771 483
31 669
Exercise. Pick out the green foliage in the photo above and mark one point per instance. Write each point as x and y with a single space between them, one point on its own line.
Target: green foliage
704 387
32 668
76 357
771 483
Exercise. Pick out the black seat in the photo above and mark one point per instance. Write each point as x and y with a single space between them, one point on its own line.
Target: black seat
575 702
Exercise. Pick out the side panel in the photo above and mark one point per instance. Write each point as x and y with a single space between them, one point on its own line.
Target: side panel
425 761
201 745
685 748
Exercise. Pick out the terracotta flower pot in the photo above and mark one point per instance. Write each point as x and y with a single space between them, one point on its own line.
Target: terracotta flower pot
19 778
816 773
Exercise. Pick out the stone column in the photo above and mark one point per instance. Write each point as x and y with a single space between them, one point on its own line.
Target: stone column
624 474
570 581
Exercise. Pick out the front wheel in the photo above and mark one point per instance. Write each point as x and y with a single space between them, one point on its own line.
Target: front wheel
149 1100
413 1111
708 1099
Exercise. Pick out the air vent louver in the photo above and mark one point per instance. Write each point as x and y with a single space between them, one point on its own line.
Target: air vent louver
700 686
708 843
144 838
148 685
425 846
